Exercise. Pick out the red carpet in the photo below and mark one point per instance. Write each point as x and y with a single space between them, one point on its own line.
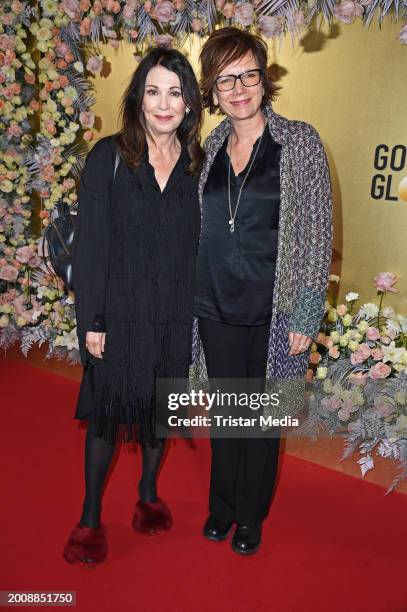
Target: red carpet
331 543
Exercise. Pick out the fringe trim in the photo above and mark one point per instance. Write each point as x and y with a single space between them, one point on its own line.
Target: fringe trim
126 401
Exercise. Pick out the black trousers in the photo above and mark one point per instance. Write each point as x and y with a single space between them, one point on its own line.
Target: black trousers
243 470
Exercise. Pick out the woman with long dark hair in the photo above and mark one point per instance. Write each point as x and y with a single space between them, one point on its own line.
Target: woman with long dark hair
134 258
263 264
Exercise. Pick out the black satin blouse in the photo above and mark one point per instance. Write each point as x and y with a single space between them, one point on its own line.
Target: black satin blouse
235 271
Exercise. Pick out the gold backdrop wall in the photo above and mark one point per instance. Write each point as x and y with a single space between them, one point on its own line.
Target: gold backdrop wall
351 85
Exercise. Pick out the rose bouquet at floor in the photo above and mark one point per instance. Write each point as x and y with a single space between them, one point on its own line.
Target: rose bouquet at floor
358 365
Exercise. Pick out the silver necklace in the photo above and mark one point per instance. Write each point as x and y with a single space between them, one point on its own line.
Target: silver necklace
233 217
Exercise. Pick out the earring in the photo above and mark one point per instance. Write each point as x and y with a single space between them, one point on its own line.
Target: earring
187 110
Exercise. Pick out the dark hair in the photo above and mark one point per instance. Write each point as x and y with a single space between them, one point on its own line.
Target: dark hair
131 139
225 46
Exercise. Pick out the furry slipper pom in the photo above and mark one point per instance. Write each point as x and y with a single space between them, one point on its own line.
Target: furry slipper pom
86 544
151 518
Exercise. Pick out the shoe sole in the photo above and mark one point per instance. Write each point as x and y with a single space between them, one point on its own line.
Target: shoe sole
217 539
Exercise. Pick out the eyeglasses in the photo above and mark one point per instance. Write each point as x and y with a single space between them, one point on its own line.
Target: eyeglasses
250 78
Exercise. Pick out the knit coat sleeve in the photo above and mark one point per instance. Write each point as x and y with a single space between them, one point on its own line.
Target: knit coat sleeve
316 213
90 249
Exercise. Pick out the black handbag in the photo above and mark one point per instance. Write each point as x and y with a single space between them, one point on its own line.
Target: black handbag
58 236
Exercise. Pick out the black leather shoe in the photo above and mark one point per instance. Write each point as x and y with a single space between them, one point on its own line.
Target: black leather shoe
215 530
246 540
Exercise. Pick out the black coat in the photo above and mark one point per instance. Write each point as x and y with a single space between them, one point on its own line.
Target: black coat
134 257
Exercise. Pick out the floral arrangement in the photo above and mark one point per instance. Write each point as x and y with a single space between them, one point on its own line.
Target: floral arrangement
162 21
358 364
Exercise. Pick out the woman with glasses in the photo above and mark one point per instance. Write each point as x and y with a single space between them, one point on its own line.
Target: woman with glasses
263 263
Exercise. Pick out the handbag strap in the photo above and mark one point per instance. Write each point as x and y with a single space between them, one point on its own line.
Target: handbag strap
116 163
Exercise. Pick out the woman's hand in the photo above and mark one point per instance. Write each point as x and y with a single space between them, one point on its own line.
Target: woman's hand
298 343
95 343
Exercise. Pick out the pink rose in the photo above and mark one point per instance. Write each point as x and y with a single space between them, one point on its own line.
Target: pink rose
348 405
35 261
24 254
14 130
244 14
364 350
309 374
347 10
372 333
334 352
94 64
377 354
179 5
385 281
342 310
228 10
128 12
87 119
8 273
85 27
88 135
383 407
356 358
379 370
334 404
61 49
163 40
84 5
108 21
7 42
403 35
315 357
343 415
299 18
165 11
17 7
197 25
270 27
71 8
328 342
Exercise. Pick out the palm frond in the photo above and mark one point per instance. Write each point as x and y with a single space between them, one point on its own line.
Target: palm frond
270 7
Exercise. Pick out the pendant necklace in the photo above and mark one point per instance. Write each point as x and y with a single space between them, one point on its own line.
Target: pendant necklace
233 217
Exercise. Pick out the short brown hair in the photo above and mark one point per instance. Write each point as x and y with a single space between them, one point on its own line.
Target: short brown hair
225 46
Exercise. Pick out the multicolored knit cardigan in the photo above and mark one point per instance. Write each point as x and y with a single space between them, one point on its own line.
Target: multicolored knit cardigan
304 243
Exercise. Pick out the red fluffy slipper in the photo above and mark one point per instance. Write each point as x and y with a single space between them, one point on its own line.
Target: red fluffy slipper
86 544
150 518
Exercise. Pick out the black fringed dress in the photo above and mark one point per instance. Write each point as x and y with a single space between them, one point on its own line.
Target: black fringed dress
134 257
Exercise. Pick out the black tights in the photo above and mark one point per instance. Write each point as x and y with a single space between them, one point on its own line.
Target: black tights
98 457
